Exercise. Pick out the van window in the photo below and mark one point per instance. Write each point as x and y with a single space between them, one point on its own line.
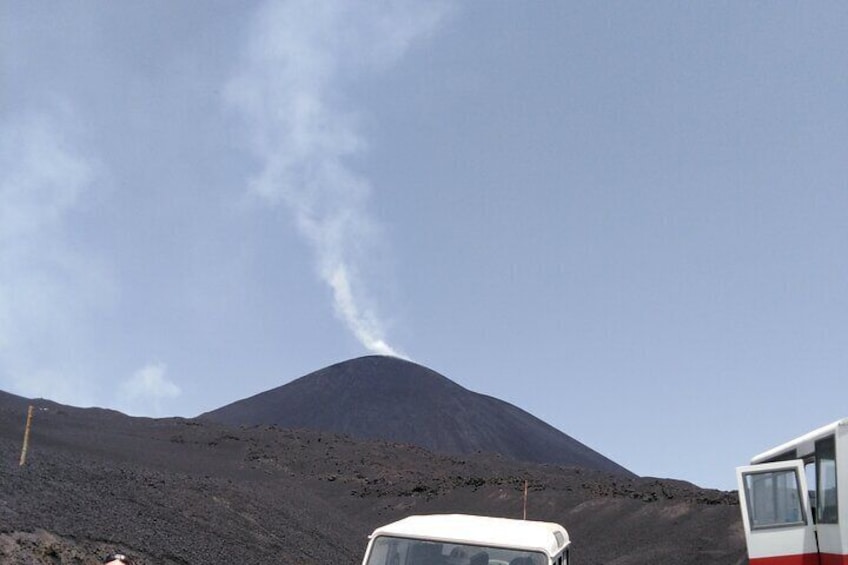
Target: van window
773 499
388 550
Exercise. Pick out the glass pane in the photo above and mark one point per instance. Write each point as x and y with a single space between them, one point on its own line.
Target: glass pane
827 507
400 551
810 474
773 499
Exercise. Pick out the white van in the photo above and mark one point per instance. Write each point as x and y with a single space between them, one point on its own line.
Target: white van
461 539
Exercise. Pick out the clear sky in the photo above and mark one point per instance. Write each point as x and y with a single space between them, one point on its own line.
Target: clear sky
628 218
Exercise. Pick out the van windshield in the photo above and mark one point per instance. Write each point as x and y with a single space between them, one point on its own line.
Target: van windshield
401 551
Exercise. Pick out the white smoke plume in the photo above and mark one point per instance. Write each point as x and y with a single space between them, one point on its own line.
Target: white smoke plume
300 57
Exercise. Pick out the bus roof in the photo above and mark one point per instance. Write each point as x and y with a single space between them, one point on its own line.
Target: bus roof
803 445
529 535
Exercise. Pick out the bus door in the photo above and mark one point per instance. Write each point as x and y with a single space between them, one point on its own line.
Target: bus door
779 526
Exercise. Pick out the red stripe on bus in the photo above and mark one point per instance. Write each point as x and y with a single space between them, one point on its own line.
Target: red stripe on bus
802 559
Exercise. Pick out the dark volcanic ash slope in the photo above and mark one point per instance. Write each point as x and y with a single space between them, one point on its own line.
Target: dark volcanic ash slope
391 399
184 492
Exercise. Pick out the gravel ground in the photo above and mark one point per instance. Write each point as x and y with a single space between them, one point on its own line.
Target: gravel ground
175 491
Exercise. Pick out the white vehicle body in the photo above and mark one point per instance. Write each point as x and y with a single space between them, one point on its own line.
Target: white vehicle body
461 539
794 500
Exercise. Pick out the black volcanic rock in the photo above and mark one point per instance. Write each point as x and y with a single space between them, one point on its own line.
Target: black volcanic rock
387 398
184 492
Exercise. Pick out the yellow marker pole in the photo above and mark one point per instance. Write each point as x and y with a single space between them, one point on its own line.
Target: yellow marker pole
26 436
525 499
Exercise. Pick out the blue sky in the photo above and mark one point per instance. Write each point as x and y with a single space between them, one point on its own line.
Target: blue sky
628 219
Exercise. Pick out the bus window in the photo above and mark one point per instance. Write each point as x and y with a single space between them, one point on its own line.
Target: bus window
773 499
827 508
810 474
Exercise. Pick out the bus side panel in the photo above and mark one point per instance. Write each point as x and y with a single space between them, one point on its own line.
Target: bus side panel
831 539
840 546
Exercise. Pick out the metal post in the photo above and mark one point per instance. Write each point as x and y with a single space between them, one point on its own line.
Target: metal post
525 499
26 436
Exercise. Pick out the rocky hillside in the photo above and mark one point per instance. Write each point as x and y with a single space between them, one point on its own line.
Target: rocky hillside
175 491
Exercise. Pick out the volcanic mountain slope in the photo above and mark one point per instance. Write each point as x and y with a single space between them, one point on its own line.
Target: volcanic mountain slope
183 492
378 397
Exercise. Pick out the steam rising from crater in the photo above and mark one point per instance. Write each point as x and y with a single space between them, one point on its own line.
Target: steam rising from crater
300 58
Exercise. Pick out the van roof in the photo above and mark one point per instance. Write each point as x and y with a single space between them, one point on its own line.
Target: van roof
530 535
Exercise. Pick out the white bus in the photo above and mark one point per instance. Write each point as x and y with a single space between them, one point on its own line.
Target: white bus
792 509
461 539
